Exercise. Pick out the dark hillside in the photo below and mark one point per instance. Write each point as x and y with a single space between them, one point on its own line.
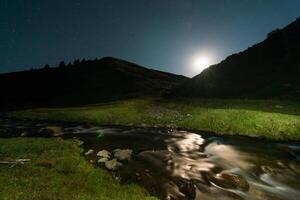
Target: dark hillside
84 82
266 70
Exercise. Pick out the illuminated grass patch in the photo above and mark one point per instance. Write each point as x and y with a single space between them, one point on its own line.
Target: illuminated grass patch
264 118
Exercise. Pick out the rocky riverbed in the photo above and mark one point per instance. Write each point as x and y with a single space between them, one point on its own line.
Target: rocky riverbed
176 164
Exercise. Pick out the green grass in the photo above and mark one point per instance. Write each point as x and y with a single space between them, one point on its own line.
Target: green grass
271 119
57 171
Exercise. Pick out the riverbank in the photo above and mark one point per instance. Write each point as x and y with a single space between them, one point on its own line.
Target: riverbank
167 163
56 170
271 119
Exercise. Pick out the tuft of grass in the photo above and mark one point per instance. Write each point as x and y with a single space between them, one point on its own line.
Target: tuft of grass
273 119
57 171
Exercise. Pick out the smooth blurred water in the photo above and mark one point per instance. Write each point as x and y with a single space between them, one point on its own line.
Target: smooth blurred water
184 165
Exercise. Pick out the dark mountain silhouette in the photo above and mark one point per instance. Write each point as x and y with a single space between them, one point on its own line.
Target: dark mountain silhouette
268 69
83 82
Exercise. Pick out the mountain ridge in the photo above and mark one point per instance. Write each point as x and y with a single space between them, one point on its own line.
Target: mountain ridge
84 82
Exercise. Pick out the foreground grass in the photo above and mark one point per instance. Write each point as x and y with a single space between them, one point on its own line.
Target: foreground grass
264 118
57 171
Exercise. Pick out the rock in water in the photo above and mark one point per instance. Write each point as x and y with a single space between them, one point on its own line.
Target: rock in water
50 131
113 164
104 154
24 134
123 154
102 160
89 152
232 181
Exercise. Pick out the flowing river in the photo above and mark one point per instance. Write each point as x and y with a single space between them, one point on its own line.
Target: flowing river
177 164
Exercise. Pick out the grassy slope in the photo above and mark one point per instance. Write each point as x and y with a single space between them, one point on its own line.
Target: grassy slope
266 118
57 171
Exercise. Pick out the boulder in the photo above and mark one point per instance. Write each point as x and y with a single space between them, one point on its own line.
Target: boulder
113 164
104 154
103 160
231 181
89 152
123 154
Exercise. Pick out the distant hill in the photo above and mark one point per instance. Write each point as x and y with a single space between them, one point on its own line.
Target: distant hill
268 69
83 82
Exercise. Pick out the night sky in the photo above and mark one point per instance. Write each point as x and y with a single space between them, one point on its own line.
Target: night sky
162 34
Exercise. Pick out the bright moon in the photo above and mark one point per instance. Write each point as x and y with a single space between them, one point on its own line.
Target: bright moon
200 63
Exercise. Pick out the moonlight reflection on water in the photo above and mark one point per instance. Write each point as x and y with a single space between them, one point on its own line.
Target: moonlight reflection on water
184 165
